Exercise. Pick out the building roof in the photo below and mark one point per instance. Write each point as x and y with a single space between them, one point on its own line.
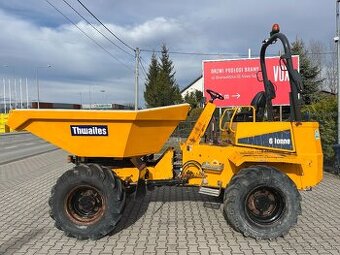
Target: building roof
192 83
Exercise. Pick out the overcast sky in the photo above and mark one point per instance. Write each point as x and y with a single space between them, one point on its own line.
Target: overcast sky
33 34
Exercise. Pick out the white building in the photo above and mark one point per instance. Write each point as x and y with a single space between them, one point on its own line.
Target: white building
195 85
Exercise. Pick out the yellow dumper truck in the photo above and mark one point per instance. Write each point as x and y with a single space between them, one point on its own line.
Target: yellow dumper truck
258 166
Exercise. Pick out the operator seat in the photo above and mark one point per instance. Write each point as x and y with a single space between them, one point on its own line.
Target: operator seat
259 103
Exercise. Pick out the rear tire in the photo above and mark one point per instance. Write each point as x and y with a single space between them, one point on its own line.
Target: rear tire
87 201
261 202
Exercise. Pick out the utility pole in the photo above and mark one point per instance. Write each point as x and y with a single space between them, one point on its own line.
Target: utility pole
336 39
20 91
15 99
26 93
4 83
137 78
10 94
90 96
38 89
37 81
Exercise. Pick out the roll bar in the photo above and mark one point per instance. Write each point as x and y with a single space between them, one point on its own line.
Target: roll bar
294 76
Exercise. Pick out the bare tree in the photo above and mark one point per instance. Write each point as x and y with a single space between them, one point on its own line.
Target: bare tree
317 58
325 57
316 48
331 69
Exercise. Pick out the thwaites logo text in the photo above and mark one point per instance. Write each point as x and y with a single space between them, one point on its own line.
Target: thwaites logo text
89 130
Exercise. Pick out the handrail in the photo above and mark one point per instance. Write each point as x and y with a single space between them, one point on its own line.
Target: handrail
235 109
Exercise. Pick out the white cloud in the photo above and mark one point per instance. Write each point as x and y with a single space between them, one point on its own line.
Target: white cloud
157 29
35 35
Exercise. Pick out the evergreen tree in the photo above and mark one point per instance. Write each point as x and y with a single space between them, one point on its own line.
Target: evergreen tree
319 108
194 98
161 86
325 112
309 73
151 85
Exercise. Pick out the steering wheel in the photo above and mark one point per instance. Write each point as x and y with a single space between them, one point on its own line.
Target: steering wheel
214 95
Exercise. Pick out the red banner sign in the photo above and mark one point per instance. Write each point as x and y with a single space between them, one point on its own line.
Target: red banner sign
238 80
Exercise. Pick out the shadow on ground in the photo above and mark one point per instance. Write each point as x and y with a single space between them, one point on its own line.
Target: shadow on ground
135 209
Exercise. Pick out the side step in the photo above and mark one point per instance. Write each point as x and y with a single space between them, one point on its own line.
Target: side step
209 191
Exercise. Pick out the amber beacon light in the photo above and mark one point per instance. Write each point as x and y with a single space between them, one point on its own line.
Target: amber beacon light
275 29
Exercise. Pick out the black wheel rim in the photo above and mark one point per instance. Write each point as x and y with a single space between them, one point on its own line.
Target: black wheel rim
85 205
264 205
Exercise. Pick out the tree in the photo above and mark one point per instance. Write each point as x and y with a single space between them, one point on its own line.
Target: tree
325 112
331 70
194 98
161 86
309 72
151 85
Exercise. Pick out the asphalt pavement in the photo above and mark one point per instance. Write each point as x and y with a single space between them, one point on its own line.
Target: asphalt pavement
15 146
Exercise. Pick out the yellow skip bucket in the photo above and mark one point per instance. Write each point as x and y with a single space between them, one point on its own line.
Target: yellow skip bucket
88 133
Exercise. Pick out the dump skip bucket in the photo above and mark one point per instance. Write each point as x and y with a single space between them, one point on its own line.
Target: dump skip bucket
89 133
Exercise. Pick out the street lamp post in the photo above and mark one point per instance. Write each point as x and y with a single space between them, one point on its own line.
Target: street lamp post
37 80
104 100
336 40
9 87
26 87
4 85
81 98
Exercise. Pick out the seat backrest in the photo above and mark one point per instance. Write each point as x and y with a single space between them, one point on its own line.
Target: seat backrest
259 103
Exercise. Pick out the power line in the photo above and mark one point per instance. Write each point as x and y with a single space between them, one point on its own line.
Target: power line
94 16
143 68
203 53
88 36
96 29
225 54
193 53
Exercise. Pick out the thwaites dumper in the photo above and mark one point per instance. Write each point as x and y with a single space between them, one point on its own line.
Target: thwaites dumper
259 165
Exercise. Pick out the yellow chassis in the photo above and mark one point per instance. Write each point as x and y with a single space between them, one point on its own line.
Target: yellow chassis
213 165
291 147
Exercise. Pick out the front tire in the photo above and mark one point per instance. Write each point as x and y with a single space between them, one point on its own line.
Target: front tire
87 201
261 202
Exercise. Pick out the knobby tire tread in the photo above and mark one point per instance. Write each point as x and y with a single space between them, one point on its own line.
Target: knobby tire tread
261 174
110 184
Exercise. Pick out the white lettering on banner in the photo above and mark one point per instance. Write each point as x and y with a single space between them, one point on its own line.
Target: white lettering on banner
234 70
227 96
217 70
251 69
279 74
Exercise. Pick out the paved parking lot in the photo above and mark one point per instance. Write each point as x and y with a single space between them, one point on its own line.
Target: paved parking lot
168 220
